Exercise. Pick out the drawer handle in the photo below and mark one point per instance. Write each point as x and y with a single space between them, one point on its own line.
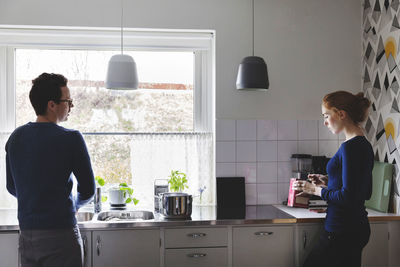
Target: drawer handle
98 245
196 255
197 235
263 233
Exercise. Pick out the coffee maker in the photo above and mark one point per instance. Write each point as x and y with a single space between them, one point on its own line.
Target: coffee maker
301 166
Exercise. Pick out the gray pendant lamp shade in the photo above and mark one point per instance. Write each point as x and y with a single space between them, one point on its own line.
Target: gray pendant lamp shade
252 74
122 73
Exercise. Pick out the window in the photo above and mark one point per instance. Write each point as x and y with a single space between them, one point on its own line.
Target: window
132 136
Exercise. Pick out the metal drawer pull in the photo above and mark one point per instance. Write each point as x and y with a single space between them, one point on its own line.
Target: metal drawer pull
263 233
197 255
98 245
197 235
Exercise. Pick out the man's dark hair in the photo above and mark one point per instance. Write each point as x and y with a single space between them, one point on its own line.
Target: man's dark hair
45 88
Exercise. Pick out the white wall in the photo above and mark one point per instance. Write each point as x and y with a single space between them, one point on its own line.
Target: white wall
312 47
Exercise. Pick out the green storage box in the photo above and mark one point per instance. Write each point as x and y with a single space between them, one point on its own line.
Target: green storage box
382 174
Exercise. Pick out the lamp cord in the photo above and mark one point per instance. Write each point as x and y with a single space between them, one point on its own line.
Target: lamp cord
253 26
122 32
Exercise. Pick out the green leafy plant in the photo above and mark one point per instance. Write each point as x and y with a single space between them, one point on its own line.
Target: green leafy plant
128 193
177 181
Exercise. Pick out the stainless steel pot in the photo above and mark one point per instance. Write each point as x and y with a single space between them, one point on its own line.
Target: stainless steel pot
176 205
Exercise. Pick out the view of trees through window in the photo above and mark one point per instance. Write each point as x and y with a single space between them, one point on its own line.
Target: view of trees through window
163 103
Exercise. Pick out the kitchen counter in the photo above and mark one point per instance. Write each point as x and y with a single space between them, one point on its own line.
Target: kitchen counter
201 216
303 215
206 216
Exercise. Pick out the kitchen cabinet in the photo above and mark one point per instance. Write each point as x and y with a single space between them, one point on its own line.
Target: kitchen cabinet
307 235
9 249
87 248
263 246
126 248
376 252
192 246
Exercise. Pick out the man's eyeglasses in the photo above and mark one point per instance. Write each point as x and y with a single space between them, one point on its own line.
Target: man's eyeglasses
69 101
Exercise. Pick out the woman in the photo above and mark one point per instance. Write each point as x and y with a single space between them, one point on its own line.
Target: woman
349 171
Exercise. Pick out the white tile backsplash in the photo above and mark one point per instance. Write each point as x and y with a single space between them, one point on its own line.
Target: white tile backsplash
283 192
267 150
267 194
287 130
225 169
246 130
267 130
286 149
247 170
246 151
308 129
267 172
226 151
251 194
308 147
260 151
284 172
225 130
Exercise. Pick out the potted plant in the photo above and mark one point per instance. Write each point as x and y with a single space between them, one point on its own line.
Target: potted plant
177 181
122 191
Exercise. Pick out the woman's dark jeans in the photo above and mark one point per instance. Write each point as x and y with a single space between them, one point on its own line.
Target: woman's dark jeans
339 249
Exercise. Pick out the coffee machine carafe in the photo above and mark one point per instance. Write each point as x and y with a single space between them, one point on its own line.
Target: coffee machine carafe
301 166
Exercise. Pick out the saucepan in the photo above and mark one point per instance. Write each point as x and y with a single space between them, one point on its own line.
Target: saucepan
176 205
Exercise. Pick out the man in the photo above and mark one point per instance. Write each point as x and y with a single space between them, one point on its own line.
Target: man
40 158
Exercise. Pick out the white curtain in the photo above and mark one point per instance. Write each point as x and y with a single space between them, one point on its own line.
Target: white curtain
153 156
7 201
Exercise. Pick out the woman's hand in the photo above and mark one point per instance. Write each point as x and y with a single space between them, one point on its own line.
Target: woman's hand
306 188
318 179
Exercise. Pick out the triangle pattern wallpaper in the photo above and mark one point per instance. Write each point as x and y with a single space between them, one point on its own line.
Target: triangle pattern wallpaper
380 83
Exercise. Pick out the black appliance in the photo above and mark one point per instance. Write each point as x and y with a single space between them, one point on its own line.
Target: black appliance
319 164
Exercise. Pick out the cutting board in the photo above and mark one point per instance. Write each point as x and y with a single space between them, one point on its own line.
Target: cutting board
381 182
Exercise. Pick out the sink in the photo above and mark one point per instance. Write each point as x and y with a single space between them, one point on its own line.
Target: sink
84 216
137 215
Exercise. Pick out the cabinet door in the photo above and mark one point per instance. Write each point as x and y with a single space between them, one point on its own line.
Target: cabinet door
87 248
8 249
263 246
193 257
307 237
376 252
126 248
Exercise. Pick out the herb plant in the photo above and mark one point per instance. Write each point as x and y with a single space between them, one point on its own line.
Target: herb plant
177 181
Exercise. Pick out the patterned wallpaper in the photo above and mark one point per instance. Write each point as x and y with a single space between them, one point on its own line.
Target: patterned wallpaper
380 80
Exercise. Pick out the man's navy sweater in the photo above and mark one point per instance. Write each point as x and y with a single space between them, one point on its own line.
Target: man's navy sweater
349 185
40 158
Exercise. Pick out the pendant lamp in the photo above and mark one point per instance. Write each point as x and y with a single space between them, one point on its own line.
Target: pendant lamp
252 74
121 71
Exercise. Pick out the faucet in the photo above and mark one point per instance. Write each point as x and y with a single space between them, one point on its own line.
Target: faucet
97 200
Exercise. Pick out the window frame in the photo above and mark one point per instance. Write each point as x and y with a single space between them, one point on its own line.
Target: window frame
201 42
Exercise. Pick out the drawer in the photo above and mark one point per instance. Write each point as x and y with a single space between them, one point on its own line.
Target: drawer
256 246
196 257
196 237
